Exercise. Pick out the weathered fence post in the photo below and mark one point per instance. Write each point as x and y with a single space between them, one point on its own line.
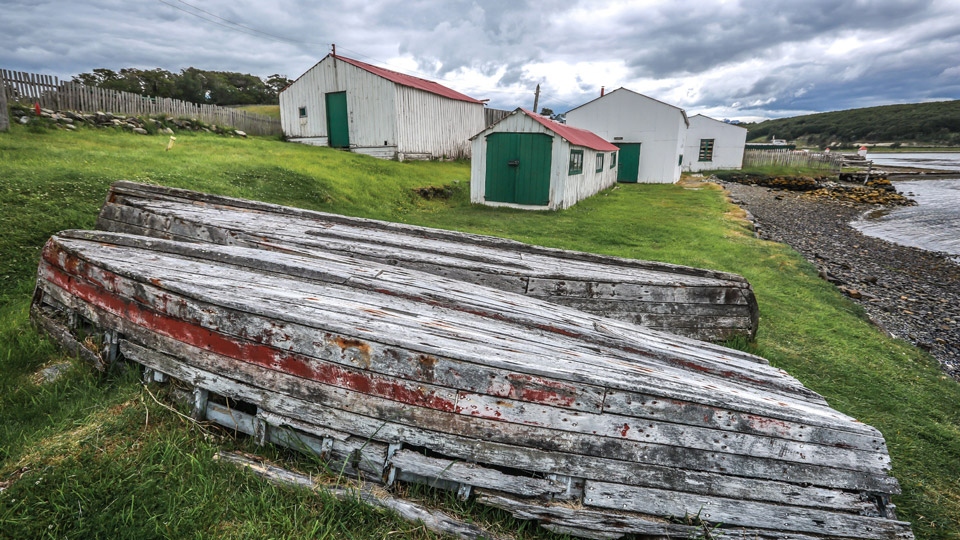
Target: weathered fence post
4 112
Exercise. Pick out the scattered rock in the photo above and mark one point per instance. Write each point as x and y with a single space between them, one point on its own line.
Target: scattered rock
52 373
909 292
135 124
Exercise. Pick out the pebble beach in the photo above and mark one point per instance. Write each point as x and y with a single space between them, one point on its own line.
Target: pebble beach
910 293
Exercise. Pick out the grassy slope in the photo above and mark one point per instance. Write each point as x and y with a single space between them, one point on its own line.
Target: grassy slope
937 122
269 110
89 439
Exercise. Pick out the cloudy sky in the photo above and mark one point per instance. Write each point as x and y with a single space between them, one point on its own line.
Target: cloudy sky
744 60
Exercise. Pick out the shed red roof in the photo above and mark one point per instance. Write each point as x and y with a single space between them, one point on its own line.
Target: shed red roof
409 80
576 136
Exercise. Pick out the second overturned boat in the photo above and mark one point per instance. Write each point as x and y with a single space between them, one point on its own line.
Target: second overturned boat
693 302
593 426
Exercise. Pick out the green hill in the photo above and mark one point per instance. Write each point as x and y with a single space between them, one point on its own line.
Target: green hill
935 123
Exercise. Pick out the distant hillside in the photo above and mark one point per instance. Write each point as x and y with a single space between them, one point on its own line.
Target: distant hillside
934 123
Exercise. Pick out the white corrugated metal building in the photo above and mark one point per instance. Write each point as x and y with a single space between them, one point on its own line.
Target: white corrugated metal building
344 103
528 161
712 144
650 133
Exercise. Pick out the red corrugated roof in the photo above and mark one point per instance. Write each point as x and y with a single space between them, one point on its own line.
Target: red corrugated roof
576 136
409 80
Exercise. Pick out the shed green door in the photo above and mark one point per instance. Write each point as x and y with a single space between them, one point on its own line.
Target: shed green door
337 127
518 168
629 168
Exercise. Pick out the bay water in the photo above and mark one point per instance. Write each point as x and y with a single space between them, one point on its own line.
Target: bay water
934 223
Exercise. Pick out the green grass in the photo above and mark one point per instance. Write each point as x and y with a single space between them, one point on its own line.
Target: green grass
772 170
269 110
100 444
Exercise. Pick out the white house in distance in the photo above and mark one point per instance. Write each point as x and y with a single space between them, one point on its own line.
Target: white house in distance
649 133
344 103
712 144
529 161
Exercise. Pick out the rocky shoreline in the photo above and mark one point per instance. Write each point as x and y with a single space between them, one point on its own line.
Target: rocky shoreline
910 293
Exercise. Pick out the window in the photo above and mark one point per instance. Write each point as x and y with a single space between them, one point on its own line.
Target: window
303 112
613 159
576 162
599 162
680 161
706 150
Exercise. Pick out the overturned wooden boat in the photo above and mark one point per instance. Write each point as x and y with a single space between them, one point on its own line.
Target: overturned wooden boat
592 426
693 302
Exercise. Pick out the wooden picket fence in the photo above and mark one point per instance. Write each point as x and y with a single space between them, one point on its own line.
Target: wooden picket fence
792 158
492 116
51 93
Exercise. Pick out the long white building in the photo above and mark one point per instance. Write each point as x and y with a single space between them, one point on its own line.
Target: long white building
345 103
649 133
712 144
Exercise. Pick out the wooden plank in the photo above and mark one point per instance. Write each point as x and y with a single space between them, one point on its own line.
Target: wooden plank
434 520
741 513
431 469
598 524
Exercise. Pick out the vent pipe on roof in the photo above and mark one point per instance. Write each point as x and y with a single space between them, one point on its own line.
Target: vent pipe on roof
601 90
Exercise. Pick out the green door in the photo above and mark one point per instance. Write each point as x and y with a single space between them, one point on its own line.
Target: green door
629 162
338 129
518 168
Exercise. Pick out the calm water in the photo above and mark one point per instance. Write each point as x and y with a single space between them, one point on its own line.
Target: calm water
928 160
934 224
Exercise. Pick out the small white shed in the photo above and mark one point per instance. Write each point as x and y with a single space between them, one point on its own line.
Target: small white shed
345 103
529 161
712 144
649 133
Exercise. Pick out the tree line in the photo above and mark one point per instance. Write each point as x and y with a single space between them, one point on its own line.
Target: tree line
190 84
934 122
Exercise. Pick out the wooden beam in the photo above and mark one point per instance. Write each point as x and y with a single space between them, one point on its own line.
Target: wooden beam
4 111
434 520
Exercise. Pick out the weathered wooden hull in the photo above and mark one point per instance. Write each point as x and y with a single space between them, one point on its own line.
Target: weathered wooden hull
593 426
703 304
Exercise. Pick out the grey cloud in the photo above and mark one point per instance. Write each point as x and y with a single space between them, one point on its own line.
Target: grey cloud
661 44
